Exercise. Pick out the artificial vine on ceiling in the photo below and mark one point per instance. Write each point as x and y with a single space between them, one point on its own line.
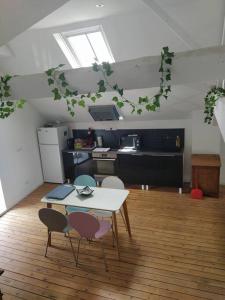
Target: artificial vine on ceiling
7 106
210 102
61 90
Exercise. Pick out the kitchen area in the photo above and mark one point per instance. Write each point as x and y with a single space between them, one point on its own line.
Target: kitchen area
145 157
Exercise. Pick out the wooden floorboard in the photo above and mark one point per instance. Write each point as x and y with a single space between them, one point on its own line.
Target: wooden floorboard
177 251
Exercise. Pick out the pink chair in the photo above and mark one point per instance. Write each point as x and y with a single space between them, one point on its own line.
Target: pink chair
89 228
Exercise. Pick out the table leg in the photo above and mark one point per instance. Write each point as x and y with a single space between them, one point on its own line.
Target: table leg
116 233
49 205
126 217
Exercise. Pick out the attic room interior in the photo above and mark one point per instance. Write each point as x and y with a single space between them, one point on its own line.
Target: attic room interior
112 129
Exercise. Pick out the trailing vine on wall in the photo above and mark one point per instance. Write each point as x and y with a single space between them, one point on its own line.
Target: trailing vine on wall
210 102
7 106
61 90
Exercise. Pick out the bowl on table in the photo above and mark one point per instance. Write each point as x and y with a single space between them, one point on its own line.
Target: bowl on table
86 191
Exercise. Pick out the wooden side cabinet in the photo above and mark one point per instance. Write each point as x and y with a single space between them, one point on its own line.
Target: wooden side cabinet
206 173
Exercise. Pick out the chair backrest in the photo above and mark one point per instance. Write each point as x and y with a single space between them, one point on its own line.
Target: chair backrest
86 225
113 182
85 180
53 219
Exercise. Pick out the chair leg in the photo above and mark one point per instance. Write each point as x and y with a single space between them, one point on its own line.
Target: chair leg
71 244
103 252
78 250
46 249
121 212
113 236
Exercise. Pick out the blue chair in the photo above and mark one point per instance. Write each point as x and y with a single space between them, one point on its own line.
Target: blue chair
85 180
82 180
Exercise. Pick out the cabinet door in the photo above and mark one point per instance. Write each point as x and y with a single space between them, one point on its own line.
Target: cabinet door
172 171
130 168
163 170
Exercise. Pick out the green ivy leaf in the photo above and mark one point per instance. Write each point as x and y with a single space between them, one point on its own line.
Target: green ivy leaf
62 77
98 95
115 99
81 103
95 67
120 91
107 67
72 113
148 107
64 84
139 111
56 94
168 61
68 93
93 98
120 104
7 94
168 77
49 72
102 87
73 102
50 81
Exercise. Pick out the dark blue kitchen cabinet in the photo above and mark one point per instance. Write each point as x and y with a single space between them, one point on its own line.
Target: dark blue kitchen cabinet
151 169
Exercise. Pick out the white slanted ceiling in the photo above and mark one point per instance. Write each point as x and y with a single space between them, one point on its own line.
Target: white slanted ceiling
18 15
135 29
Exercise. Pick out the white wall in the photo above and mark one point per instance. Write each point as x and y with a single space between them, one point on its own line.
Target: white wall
185 123
205 138
20 167
219 114
208 139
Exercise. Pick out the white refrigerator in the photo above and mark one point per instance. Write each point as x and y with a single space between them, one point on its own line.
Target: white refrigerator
52 140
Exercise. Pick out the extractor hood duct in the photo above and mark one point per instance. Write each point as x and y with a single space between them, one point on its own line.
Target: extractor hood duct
104 113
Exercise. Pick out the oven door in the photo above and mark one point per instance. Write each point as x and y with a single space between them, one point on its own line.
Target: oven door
105 166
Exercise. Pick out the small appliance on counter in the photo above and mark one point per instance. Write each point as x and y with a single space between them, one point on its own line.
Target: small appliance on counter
99 141
130 142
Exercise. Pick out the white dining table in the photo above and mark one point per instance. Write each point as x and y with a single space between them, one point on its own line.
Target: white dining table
102 199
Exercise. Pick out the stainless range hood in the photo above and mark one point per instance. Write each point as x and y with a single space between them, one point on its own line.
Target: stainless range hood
104 112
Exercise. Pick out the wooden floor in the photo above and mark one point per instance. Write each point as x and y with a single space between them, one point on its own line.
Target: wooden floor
177 252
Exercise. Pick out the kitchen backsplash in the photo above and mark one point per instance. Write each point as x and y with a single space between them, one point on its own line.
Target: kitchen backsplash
151 139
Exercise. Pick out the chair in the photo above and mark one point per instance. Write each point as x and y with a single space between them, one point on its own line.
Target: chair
112 182
90 228
82 180
55 222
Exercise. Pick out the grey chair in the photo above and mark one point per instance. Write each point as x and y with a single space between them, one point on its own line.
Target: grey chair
55 222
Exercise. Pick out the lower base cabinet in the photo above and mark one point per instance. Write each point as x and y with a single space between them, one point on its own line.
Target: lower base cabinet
153 170
206 173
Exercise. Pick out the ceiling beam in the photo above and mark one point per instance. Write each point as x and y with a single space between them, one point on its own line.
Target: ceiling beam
175 27
202 65
18 15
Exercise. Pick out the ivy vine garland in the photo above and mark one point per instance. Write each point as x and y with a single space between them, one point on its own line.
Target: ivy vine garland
210 102
7 106
61 89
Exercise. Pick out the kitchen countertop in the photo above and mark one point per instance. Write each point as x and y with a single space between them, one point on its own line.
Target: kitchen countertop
151 153
138 152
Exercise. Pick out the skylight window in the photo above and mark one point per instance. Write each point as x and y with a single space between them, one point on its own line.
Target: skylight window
84 47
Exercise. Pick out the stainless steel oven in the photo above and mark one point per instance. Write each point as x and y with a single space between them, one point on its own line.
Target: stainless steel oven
105 162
